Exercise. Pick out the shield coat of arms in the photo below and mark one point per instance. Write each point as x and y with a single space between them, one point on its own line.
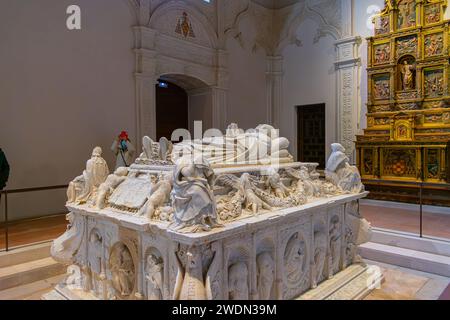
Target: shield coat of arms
184 26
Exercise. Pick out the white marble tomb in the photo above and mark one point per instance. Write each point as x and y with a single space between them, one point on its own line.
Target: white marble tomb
178 226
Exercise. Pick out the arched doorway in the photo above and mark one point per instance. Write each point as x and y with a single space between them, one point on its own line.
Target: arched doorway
180 101
172 109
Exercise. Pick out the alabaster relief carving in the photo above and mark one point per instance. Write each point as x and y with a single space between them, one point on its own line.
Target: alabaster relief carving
296 264
265 275
198 273
238 281
154 275
158 206
320 249
65 248
95 263
165 230
357 231
122 269
334 248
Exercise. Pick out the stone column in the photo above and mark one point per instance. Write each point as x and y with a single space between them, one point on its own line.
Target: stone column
274 89
219 93
145 81
348 65
219 108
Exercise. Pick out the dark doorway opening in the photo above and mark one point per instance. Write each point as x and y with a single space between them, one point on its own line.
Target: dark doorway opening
311 134
172 109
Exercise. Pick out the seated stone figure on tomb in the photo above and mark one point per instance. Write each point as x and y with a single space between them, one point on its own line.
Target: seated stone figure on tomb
192 196
256 146
341 173
84 187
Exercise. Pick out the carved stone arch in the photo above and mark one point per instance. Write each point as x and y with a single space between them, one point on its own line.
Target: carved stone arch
186 78
165 8
135 8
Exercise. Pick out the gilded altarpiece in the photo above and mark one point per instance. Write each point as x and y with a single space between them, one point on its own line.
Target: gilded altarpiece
406 143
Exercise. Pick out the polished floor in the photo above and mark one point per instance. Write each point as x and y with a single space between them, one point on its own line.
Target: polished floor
435 225
407 284
28 232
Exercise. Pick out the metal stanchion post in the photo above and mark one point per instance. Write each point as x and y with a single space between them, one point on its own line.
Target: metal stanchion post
6 223
421 210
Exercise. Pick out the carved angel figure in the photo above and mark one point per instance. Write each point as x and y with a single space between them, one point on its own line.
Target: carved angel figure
275 184
159 195
192 196
245 191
